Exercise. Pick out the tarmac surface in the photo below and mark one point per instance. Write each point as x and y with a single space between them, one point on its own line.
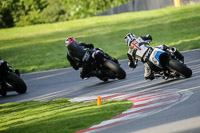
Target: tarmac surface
159 105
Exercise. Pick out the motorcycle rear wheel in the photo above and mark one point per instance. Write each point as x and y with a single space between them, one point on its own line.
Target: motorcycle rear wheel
181 68
16 83
115 69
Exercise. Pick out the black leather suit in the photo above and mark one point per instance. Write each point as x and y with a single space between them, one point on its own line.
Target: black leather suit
75 54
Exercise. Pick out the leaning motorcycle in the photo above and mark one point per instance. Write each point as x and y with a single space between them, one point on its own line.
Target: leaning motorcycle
109 68
10 80
167 64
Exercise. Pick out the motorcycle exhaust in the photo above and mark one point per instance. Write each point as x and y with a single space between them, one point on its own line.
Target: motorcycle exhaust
177 53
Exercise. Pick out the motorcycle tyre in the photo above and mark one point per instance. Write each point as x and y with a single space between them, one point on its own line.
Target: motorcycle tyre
17 83
115 68
3 92
180 68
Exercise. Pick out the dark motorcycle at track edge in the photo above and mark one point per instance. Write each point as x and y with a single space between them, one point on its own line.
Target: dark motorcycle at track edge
10 80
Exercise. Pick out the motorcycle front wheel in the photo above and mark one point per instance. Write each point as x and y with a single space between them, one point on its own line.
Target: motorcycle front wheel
14 82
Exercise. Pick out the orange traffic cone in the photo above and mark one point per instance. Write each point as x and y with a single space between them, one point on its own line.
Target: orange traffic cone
99 101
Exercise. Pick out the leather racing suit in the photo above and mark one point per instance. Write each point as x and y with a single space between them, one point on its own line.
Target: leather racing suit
137 51
75 54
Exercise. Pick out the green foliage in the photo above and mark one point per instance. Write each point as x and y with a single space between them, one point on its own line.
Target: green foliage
20 12
54 12
6 18
41 47
28 12
58 115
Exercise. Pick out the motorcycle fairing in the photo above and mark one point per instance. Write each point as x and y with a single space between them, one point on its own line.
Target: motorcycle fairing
154 57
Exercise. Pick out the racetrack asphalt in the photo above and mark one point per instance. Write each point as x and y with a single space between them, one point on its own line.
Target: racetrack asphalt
183 115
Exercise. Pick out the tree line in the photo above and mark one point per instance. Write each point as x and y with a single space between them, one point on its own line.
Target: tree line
29 12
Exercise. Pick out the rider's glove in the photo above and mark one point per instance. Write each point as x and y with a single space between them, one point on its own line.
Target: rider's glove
132 64
76 67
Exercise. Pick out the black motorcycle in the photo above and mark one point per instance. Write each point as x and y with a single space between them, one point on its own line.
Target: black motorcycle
109 68
10 80
167 64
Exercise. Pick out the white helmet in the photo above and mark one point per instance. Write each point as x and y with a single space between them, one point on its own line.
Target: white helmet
129 38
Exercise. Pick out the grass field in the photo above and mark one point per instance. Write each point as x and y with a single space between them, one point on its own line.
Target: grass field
41 47
56 116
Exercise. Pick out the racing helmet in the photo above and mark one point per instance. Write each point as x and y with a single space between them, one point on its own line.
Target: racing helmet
69 40
129 38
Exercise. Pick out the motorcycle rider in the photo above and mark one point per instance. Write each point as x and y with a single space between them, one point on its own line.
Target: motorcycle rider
81 55
9 67
137 49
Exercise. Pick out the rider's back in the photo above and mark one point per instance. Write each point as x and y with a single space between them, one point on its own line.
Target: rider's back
77 51
140 46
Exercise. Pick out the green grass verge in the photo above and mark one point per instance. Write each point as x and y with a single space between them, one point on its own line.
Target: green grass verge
56 116
41 47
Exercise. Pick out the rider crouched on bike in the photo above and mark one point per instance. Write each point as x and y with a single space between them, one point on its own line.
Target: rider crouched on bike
137 49
81 55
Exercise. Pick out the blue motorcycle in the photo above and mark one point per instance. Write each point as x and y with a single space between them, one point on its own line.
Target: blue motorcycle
167 64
